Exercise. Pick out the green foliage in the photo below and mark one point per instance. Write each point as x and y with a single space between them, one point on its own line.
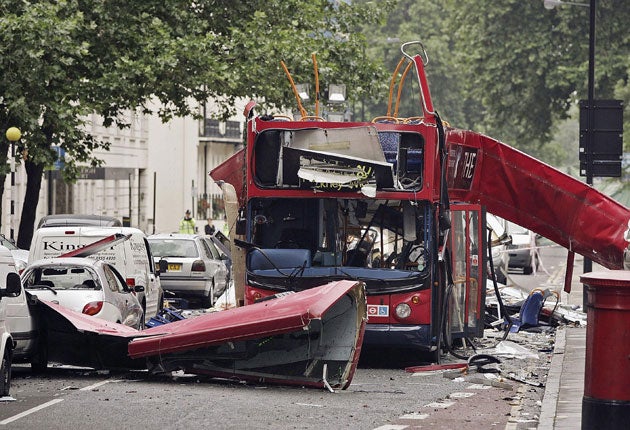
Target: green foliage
63 60
511 68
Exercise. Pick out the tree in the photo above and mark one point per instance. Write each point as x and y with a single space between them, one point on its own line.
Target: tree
511 68
65 59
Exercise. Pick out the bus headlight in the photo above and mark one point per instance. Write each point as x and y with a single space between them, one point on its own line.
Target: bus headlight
403 310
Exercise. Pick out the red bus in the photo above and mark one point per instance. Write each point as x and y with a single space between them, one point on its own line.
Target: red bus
320 200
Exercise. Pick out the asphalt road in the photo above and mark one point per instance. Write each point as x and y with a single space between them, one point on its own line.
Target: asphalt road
378 398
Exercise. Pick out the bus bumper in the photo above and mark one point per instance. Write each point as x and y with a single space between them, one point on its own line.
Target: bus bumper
398 335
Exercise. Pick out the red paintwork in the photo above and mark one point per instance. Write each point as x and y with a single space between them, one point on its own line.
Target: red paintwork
530 193
88 324
116 345
99 245
519 188
607 335
281 315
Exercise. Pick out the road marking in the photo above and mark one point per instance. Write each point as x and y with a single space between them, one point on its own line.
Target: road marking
462 395
440 405
98 384
391 427
310 404
414 416
30 411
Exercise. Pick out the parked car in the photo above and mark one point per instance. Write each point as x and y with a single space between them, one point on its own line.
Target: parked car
19 255
194 266
520 250
92 287
132 257
499 248
9 287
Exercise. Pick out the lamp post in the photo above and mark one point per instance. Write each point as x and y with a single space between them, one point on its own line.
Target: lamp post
13 135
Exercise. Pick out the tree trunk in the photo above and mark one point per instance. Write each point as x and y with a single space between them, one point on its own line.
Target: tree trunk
34 175
2 179
4 150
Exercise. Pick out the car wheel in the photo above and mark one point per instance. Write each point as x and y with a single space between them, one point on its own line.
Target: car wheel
5 372
208 300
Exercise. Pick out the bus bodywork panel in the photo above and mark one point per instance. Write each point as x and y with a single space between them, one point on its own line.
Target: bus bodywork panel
530 193
311 338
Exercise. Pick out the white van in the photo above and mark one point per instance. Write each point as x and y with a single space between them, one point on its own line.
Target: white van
131 257
10 289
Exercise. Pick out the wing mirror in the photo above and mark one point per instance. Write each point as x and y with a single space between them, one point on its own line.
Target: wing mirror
162 266
14 286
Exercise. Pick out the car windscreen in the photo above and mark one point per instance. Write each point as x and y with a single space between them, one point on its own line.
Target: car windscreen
182 248
61 278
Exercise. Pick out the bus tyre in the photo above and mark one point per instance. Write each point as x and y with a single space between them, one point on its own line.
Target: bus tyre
5 372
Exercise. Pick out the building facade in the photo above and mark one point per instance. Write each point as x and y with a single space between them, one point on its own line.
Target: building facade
152 173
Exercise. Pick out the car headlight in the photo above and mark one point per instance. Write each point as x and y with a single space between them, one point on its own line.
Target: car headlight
403 310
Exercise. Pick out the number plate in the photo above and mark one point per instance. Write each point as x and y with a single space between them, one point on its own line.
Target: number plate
173 267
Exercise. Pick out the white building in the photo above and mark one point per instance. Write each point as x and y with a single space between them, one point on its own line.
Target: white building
152 173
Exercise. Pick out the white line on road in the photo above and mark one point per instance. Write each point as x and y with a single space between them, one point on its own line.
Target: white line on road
52 402
98 384
30 411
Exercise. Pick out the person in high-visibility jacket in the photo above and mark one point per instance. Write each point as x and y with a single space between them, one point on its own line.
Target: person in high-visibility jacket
187 224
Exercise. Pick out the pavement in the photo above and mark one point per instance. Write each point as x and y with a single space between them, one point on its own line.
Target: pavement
562 403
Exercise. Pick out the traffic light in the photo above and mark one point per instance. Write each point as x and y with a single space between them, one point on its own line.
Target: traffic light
601 144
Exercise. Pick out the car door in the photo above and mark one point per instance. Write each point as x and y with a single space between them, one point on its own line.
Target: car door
120 295
219 270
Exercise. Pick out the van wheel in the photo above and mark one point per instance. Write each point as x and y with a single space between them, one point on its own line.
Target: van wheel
143 318
5 372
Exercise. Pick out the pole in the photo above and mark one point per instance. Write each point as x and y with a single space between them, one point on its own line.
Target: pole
13 193
154 196
13 134
130 192
588 264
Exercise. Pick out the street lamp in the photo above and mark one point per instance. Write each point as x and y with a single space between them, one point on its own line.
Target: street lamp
13 135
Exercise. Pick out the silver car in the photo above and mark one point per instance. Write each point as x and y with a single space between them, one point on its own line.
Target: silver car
194 266
92 287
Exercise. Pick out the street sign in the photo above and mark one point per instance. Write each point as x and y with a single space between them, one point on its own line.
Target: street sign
601 143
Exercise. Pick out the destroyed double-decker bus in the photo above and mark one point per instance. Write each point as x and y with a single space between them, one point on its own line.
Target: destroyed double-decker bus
319 200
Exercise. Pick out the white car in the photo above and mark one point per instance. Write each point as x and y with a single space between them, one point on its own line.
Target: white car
92 287
194 266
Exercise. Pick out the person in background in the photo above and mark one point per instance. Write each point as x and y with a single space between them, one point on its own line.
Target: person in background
209 228
187 224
